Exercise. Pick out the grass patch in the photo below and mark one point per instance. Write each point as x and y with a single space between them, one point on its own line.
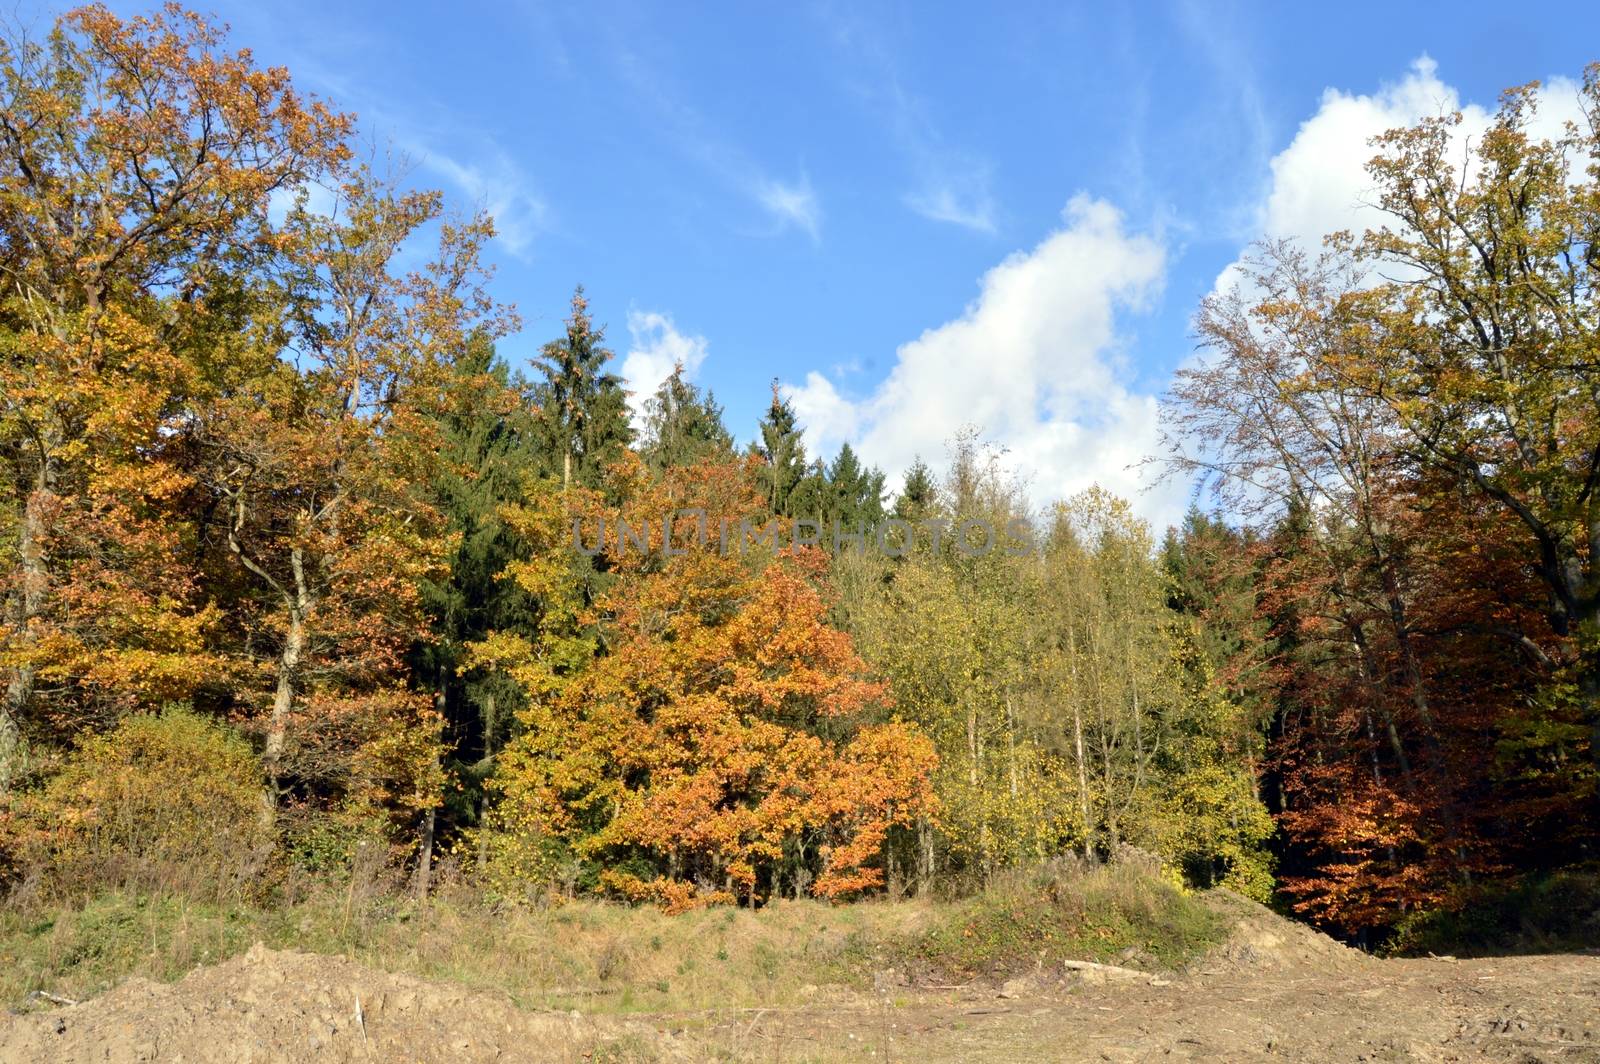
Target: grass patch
1107 913
1104 914
593 956
607 958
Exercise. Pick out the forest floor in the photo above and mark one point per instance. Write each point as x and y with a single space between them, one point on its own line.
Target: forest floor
1270 990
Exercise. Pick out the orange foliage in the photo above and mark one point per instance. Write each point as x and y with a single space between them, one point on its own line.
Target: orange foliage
730 740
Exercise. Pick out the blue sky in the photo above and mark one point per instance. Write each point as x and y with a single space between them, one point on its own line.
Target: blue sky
913 215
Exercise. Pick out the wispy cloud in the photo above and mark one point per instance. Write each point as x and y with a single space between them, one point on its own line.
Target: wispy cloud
792 204
789 204
497 185
1245 130
427 133
958 198
949 184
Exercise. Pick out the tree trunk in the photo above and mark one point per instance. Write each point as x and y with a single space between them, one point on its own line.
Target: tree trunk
294 643
1083 779
924 857
283 698
425 846
1011 747
1377 767
1369 679
27 604
425 855
10 749
488 770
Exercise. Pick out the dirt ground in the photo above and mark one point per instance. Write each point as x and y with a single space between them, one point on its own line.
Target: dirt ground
1276 991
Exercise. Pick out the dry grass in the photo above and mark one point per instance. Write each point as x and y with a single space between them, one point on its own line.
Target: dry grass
589 955
600 957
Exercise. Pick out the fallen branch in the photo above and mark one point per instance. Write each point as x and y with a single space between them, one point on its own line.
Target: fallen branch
54 999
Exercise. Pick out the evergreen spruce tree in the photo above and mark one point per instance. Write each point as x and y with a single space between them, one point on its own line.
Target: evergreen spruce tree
812 498
918 495
1212 580
682 427
856 491
488 450
583 409
781 446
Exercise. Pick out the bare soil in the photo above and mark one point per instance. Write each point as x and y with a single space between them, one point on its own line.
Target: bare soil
282 1006
1275 991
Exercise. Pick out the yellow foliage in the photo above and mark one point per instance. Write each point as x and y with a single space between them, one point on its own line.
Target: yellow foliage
161 802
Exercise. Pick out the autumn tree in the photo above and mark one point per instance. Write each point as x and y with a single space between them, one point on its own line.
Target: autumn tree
1489 330
727 745
951 631
318 455
137 158
1377 758
951 638
1272 412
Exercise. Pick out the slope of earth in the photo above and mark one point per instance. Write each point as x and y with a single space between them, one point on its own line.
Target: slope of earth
283 1006
1275 991
1522 1010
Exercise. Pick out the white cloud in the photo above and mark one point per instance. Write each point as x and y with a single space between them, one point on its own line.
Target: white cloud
499 187
960 198
1319 184
826 416
791 203
657 347
1032 362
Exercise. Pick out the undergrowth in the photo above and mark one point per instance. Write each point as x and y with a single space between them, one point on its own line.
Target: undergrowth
1545 913
1036 917
604 957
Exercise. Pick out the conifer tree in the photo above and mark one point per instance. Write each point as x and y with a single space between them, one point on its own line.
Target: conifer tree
918 494
784 451
583 409
682 426
488 452
855 491
812 497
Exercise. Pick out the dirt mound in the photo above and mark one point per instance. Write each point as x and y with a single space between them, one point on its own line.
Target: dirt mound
288 1006
1259 938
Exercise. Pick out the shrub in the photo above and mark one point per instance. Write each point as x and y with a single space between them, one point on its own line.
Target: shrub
169 802
1065 910
1540 913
